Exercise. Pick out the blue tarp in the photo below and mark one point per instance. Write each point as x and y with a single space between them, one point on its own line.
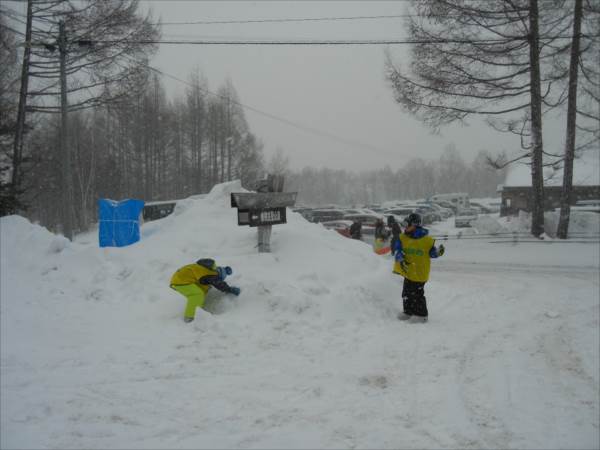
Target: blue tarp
119 222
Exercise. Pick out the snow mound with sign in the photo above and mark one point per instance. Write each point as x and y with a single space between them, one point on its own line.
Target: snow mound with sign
95 354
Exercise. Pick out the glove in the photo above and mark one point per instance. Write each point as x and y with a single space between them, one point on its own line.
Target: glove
224 272
404 265
441 250
235 290
399 256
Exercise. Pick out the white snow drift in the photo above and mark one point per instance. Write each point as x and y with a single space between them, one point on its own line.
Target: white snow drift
94 352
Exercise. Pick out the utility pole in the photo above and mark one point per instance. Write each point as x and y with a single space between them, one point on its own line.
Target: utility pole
66 183
20 128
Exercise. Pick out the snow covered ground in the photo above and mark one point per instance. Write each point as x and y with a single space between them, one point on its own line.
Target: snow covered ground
95 354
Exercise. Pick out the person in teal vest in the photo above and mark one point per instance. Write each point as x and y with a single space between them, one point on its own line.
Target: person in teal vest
194 280
412 253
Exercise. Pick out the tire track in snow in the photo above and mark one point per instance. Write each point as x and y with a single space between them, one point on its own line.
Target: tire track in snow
491 428
486 427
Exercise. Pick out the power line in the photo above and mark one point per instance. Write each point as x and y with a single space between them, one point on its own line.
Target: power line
295 42
287 20
288 122
335 42
303 19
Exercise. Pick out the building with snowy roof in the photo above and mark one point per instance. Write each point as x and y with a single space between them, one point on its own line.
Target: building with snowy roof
517 193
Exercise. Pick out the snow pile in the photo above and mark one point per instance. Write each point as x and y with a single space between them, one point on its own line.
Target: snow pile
94 352
18 234
489 224
580 223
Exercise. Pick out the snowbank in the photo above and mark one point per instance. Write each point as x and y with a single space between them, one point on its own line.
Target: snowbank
94 352
580 223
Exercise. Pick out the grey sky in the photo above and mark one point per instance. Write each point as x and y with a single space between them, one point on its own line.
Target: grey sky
339 90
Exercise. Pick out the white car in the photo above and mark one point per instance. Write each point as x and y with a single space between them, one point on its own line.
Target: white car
464 217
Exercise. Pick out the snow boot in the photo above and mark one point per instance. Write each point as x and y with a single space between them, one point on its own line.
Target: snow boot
188 319
404 316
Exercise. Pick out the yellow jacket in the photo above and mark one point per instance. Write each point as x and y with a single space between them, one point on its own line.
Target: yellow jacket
416 256
191 274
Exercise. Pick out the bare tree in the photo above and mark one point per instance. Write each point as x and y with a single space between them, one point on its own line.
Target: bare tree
452 171
106 47
90 52
136 147
196 125
12 192
250 161
279 163
591 91
483 58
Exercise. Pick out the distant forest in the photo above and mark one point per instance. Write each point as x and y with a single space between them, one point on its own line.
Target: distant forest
116 133
84 116
155 148
418 178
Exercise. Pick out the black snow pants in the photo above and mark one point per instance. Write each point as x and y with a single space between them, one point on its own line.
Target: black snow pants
413 298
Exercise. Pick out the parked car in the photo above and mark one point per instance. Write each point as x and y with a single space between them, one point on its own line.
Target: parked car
482 209
464 217
325 215
492 205
365 219
461 200
341 226
374 207
452 207
402 211
443 212
428 215
352 211
158 210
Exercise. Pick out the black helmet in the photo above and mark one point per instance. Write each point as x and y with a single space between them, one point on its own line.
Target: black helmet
413 219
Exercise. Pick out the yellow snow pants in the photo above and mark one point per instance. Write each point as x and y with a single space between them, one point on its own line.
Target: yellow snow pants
195 298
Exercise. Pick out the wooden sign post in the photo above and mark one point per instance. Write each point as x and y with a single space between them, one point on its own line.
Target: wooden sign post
264 209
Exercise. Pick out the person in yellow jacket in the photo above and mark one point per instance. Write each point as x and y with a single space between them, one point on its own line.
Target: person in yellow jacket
413 252
194 280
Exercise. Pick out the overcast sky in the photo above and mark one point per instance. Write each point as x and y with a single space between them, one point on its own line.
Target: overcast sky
336 90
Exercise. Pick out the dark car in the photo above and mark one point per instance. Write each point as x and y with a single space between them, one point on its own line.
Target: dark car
464 217
325 215
365 219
